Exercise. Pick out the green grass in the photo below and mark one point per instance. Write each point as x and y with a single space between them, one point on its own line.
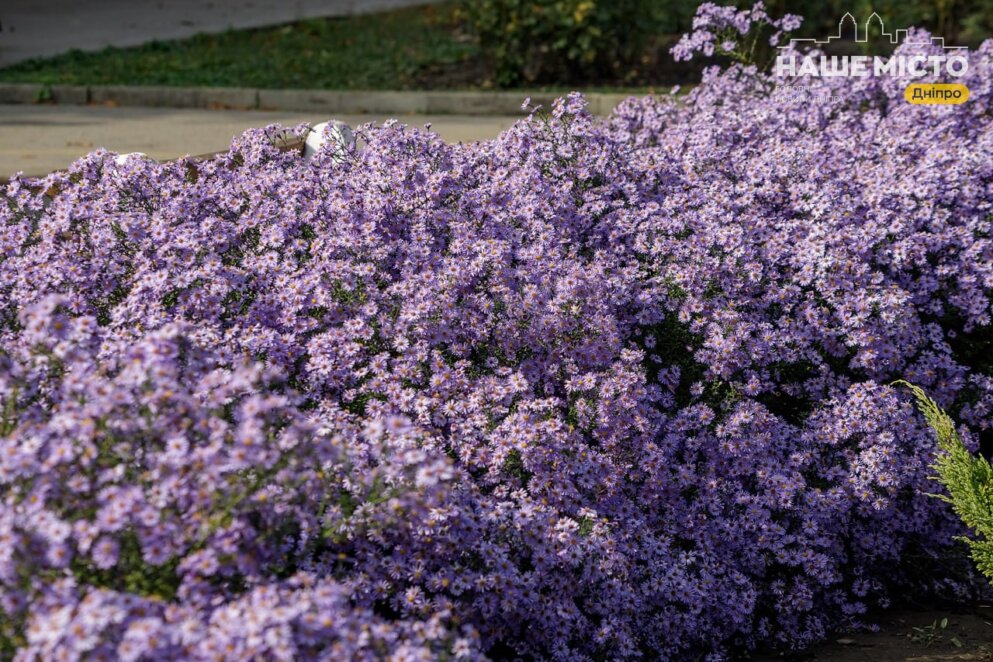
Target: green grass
416 47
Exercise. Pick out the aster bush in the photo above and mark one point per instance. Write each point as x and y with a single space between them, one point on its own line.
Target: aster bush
595 389
740 34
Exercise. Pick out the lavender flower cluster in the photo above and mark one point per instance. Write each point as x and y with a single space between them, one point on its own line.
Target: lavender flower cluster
722 30
595 389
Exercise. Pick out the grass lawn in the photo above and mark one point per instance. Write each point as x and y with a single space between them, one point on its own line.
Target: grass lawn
392 50
412 48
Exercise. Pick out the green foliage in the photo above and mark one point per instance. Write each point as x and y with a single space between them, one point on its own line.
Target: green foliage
513 465
557 40
605 44
928 634
581 40
968 479
131 573
389 50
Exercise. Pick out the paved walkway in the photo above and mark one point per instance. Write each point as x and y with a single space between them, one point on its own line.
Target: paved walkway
39 28
39 139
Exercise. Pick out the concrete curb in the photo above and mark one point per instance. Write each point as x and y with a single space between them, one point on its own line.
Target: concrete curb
330 102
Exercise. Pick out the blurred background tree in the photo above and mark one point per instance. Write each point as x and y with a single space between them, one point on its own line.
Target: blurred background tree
558 45
619 41
540 40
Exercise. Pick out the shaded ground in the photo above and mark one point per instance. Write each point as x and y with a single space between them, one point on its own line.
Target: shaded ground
909 636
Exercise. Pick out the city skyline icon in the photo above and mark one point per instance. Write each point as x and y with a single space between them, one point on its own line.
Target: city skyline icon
848 30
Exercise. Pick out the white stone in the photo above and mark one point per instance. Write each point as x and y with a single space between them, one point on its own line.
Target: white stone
337 133
121 159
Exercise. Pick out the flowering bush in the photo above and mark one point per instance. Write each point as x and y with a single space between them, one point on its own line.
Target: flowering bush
594 389
729 31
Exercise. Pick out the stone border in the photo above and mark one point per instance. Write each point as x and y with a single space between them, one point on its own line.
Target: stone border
330 102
